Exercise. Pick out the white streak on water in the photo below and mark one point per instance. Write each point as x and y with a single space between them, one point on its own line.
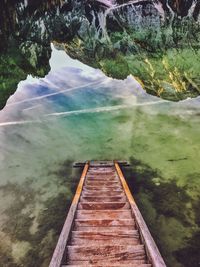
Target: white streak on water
33 107
11 123
52 94
104 109
81 111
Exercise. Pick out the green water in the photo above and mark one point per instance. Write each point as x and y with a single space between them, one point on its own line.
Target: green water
41 179
161 140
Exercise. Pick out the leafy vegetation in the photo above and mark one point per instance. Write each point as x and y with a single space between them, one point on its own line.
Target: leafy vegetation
171 75
14 67
164 60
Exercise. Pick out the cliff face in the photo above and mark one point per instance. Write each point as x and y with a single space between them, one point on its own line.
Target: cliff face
92 31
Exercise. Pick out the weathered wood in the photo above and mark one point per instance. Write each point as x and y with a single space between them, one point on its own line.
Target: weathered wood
103 198
104 226
106 241
153 253
106 234
118 264
104 263
103 214
111 252
104 229
103 191
60 250
105 222
103 187
98 183
101 164
103 205
107 193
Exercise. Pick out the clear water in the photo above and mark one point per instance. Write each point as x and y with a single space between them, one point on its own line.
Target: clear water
76 113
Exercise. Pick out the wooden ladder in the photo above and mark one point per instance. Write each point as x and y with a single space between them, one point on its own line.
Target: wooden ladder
104 226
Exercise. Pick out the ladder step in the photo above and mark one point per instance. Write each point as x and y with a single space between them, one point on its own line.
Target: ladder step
103 214
102 199
104 263
100 242
106 235
118 264
102 183
100 229
101 173
109 253
103 206
105 191
94 222
103 188
102 178
103 194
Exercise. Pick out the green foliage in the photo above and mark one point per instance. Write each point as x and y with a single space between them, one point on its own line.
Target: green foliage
173 74
116 68
164 60
14 67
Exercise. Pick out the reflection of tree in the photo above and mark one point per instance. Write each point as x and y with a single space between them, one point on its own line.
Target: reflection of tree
182 7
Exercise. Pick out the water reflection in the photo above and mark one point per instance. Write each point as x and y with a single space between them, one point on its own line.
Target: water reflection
77 113
150 40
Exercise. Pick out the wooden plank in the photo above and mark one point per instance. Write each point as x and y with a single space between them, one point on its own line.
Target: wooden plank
95 222
103 187
101 179
100 242
153 253
103 214
99 229
103 199
103 194
126 264
104 263
103 205
102 191
110 252
92 182
100 164
59 251
106 235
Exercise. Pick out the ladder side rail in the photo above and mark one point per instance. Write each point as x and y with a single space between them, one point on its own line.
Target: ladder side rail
152 251
60 249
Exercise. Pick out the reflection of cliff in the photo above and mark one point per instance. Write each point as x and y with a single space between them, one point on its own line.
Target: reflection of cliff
91 31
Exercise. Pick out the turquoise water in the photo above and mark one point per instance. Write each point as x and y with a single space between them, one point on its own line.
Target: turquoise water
77 113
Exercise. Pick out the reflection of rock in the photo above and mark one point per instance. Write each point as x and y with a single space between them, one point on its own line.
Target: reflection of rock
90 30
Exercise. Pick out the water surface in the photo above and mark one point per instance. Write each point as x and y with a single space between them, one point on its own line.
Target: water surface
76 113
